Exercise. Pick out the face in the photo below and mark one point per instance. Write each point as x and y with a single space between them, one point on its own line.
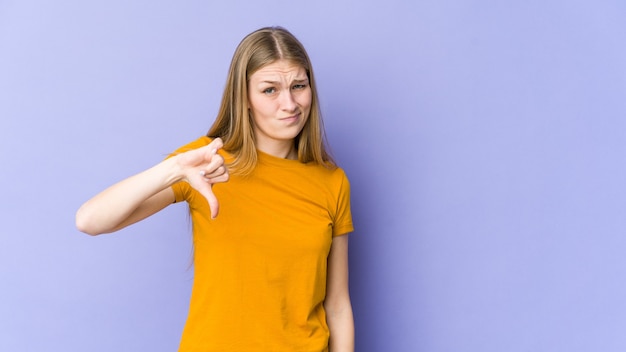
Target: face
279 96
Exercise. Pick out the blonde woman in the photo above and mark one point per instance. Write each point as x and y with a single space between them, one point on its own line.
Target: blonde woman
271 271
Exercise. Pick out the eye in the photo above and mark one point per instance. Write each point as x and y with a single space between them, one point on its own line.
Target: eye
299 86
270 90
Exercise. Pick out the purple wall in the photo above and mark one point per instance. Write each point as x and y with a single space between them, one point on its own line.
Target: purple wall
485 142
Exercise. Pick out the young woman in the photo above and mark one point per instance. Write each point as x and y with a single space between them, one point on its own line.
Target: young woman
271 271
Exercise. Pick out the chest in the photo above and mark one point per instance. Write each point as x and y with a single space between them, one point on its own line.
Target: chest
287 214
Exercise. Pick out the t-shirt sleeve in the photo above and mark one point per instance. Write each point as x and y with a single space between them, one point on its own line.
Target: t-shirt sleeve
343 216
181 191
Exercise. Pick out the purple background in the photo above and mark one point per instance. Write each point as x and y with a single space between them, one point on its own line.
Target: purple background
485 142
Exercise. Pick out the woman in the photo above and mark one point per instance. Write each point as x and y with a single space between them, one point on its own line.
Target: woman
271 271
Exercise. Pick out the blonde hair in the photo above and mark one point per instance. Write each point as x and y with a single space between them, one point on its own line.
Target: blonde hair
233 122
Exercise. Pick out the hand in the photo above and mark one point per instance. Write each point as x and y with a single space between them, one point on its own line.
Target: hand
202 168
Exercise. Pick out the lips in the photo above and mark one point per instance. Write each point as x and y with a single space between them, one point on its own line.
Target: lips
292 118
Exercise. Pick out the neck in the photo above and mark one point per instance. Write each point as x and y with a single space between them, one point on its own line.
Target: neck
280 150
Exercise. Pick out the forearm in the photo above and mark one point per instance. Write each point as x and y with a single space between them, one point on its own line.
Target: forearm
337 304
111 208
341 325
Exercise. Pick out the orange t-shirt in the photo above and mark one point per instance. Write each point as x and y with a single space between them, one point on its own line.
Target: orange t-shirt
260 266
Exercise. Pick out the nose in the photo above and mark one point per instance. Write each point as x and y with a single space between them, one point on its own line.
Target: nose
288 101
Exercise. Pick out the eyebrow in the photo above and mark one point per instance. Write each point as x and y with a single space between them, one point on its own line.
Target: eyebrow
277 82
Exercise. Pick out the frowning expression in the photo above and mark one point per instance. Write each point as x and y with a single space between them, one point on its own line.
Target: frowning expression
280 101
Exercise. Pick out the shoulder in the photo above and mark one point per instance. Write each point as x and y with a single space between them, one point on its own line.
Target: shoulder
336 174
199 142
334 178
340 178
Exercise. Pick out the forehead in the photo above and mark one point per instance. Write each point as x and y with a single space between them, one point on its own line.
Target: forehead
281 69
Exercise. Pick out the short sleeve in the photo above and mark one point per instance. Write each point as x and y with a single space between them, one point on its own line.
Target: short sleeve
181 191
343 215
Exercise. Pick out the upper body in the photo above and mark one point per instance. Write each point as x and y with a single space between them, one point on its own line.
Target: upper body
277 254
260 267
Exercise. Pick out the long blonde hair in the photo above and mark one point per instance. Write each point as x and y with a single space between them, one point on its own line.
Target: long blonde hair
233 122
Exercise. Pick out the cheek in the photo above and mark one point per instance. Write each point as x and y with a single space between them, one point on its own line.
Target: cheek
259 108
305 100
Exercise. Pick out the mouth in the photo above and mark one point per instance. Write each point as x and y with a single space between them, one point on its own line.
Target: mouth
291 119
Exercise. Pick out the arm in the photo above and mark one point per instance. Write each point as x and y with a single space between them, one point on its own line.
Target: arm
144 194
337 303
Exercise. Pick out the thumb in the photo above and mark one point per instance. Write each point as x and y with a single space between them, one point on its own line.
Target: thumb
207 192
